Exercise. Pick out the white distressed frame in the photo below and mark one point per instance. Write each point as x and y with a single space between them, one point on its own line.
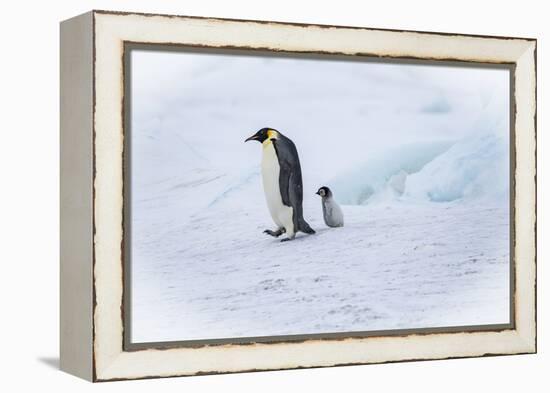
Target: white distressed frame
109 361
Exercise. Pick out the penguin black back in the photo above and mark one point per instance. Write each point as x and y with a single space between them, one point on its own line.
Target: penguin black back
290 180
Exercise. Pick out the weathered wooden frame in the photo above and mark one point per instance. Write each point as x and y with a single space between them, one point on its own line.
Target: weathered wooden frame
92 185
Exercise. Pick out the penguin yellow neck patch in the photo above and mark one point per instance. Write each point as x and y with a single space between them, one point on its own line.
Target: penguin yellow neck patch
271 134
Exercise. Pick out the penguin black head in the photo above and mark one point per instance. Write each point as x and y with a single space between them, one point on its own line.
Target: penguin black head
324 192
263 134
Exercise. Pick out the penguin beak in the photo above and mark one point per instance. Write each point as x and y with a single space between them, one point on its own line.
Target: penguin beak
252 138
317 193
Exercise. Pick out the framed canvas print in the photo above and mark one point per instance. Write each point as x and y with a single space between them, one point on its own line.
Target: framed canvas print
245 195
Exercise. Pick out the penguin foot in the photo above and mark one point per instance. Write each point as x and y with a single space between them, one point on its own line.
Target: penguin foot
276 233
286 239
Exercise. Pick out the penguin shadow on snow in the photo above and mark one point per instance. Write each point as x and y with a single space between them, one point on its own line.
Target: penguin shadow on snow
319 232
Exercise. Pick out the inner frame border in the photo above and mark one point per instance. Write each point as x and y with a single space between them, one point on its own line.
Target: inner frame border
129 46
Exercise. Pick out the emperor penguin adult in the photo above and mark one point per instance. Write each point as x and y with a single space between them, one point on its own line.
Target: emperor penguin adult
282 181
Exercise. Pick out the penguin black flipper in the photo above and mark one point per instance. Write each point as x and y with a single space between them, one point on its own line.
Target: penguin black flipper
290 180
290 171
289 194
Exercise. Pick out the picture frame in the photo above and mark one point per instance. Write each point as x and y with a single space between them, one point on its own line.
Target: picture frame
94 266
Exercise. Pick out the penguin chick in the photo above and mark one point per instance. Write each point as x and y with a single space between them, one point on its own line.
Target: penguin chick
332 213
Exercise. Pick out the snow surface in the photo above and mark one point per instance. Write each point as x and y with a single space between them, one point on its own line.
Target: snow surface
416 156
390 267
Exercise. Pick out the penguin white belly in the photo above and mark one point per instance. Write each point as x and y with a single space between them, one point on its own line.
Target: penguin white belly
281 214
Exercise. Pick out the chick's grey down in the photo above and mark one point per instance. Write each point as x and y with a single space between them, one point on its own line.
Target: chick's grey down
332 212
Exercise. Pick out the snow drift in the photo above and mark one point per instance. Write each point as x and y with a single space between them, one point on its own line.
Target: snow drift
357 186
476 167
